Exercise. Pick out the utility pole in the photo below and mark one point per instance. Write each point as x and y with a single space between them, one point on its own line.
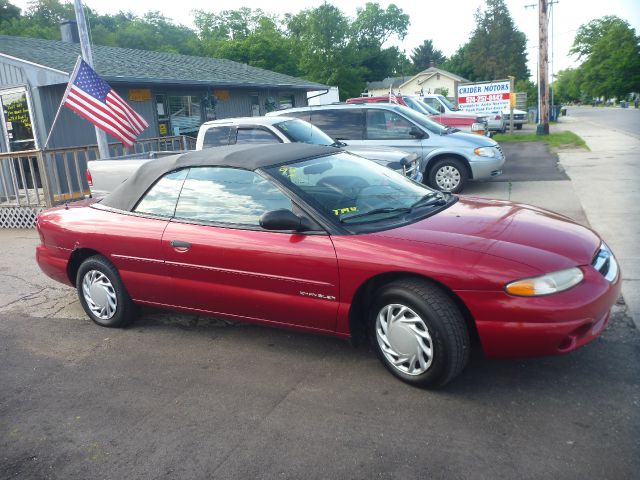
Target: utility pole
512 94
85 46
543 64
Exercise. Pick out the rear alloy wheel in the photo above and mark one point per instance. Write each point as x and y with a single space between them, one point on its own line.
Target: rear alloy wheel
418 333
102 293
448 175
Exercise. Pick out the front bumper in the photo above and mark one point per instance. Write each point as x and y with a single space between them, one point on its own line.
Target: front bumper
483 167
511 326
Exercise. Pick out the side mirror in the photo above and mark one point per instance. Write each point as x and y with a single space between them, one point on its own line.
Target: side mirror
283 219
441 108
416 132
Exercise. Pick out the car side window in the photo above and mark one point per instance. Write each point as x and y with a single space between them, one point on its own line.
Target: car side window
223 195
162 197
432 102
255 135
387 125
216 137
340 124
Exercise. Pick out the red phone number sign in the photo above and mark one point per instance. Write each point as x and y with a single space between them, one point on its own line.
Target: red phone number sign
495 97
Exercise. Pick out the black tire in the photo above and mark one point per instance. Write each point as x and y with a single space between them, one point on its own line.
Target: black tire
454 167
119 315
445 325
519 126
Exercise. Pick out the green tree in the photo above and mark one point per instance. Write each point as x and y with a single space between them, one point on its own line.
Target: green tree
423 55
610 50
496 49
567 86
460 63
374 24
321 39
264 47
8 11
371 29
153 31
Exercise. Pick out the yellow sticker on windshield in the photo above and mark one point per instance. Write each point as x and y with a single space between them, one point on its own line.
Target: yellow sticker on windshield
288 171
340 211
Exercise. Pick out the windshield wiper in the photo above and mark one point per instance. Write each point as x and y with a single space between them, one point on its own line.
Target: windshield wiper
378 210
338 144
429 200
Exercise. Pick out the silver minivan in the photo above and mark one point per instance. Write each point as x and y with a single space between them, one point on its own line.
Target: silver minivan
449 157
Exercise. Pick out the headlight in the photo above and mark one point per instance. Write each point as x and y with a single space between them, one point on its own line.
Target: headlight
546 284
485 152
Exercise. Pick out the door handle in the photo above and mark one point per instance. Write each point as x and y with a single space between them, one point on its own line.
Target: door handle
179 244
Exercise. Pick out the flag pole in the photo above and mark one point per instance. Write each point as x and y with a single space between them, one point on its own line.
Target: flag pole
64 97
85 46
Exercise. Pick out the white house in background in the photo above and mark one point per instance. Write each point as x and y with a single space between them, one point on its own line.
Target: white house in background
431 80
320 97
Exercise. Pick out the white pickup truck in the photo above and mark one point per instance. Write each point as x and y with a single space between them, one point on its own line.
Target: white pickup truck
496 120
104 175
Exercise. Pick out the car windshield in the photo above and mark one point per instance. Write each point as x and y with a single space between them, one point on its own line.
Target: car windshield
449 105
419 106
355 191
422 120
299 131
428 109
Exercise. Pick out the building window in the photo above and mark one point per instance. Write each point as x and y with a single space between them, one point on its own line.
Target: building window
180 114
16 120
286 101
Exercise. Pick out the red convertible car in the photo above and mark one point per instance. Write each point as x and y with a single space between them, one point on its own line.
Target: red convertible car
304 237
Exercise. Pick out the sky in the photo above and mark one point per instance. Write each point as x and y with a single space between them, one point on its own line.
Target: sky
447 23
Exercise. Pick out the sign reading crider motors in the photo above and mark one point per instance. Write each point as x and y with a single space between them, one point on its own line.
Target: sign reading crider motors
484 97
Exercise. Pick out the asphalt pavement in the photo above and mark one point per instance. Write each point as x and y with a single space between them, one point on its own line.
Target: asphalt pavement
179 396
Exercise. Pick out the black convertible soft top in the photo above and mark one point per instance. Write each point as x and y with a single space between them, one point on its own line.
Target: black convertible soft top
246 157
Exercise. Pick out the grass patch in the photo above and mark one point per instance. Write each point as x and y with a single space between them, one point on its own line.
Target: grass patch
555 140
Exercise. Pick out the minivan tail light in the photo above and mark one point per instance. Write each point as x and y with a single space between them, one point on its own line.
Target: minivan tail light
89 179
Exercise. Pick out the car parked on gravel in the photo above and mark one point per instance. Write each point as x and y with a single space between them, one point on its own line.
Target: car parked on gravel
449 158
312 238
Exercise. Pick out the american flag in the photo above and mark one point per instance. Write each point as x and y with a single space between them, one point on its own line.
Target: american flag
392 97
92 98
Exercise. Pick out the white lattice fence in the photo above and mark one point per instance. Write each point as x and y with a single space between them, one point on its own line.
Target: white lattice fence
19 217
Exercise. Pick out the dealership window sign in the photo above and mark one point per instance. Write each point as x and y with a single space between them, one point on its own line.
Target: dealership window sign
484 97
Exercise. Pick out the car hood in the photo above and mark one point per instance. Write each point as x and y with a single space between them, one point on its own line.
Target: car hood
543 240
469 140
